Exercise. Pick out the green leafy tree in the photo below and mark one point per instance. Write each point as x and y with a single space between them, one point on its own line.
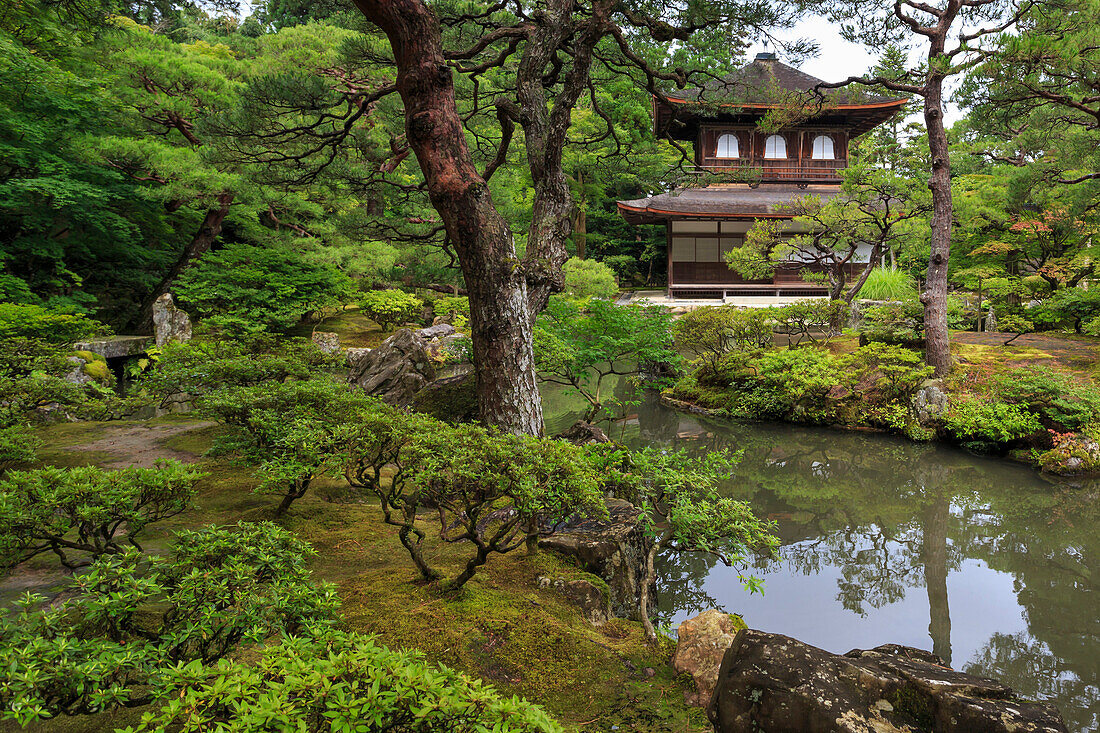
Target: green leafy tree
589 279
712 332
244 288
580 345
683 511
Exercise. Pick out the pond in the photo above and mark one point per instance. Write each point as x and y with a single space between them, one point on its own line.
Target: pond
883 540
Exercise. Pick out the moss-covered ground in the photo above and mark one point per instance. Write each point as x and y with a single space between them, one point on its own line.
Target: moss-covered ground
525 640
354 328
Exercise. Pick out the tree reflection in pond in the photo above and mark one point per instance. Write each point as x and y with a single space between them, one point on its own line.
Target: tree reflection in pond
884 540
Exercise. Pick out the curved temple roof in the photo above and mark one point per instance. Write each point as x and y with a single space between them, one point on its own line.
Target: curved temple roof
722 201
765 84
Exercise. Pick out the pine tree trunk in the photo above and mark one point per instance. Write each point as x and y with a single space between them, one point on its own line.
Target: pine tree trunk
500 321
199 245
937 349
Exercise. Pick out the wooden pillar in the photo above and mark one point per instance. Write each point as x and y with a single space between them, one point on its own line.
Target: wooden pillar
668 250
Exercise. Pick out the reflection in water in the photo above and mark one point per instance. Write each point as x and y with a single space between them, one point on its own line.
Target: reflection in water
1009 564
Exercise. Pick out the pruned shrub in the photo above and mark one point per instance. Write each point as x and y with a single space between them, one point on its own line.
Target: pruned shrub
589 279
82 513
131 619
338 682
812 320
711 332
388 308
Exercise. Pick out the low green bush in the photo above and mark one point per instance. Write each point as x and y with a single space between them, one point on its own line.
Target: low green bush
82 513
333 683
1069 307
1063 403
988 425
589 279
712 332
36 322
901 322
132 621
389 308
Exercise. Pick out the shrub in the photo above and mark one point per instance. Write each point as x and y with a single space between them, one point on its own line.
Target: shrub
454 308
899 322
494 492
625 267
132 619
36 322
390 307
198 367
287 429
82 513
985 425
798 378
682 510
1062 402
884 284
1070 306
894 371
244 289
711 332
810 319
589 279
337 682
17 446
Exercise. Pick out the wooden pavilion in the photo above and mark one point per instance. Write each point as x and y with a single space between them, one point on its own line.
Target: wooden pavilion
722 120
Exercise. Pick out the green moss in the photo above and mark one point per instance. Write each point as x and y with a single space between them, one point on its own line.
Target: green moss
502 627
98 371
89 356
913 705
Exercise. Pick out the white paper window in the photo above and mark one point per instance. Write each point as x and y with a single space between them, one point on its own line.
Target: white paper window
728 147
706 249
823 148
775 147
683 249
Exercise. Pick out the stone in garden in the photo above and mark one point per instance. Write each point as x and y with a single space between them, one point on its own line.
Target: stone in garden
114 347
395 371
451 399
77 375
587 595
614 551
701 642
770 682
438 330
327 341
170 324
929 404
991 320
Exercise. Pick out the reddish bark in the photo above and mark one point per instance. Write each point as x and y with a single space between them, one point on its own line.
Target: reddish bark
500 321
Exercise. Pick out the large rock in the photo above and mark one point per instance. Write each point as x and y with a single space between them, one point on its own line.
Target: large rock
929 404
451 399
116 347
170 324
701 643
588 595
395 371
769 682
614 551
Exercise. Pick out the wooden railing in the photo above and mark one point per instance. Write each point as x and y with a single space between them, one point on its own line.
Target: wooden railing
768 169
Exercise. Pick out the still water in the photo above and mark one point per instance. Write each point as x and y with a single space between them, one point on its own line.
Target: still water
980 560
